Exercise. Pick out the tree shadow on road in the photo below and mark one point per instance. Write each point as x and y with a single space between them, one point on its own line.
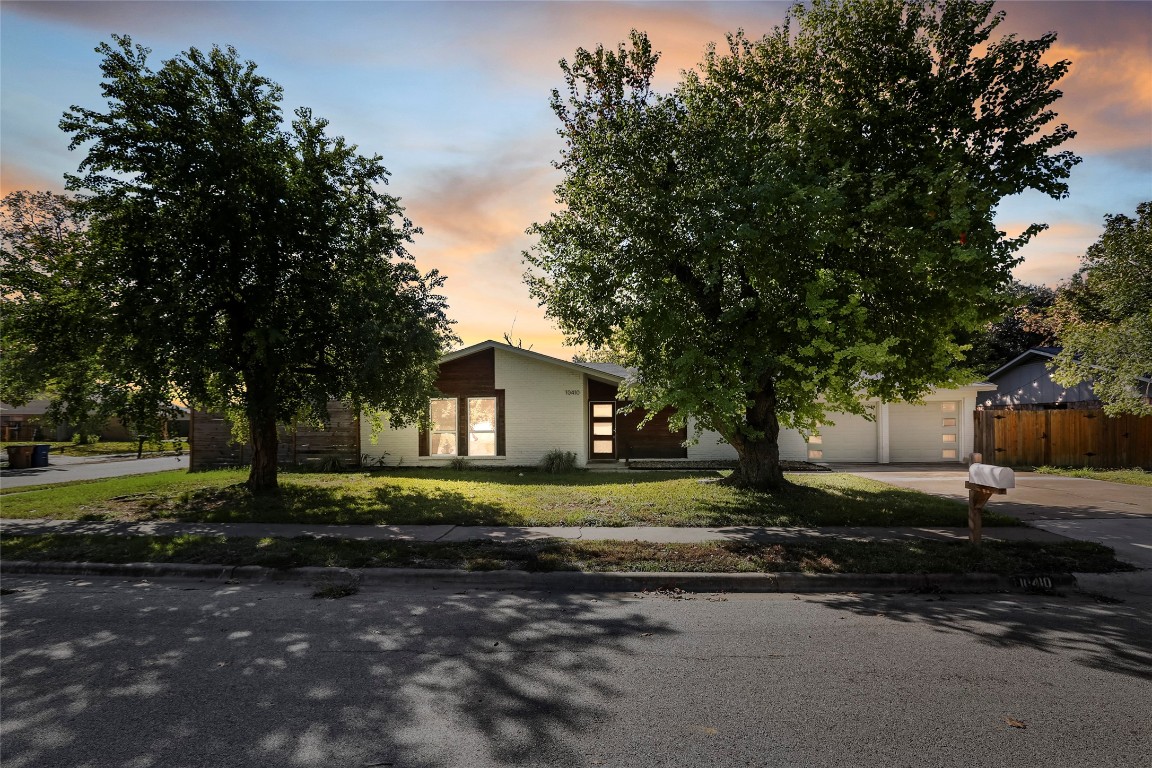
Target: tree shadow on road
1098 633
242 675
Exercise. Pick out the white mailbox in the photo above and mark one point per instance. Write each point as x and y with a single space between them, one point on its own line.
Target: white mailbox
991 477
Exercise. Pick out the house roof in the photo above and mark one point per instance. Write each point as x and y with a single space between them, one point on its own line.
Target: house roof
1044 353
613 374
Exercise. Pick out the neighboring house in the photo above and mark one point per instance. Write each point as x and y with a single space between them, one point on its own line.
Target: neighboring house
1025 383
1030 420
22 423
503 405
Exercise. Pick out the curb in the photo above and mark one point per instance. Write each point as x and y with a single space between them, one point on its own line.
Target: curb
566 580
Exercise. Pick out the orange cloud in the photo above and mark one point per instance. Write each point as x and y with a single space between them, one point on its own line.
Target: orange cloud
14 176
1054 255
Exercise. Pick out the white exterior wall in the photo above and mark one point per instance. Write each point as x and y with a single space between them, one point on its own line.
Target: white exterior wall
539 413
397 447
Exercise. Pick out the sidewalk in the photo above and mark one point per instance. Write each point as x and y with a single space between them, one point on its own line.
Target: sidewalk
427 533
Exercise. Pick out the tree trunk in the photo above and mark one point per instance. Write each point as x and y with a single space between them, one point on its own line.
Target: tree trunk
758 459
265 441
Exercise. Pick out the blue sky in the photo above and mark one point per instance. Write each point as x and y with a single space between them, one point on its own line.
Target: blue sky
454 96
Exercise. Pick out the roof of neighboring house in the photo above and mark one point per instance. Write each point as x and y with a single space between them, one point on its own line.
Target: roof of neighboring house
31 408
612 374
1041 353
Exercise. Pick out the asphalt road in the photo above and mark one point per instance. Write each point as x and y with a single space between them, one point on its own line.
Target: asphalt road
177 673
64 469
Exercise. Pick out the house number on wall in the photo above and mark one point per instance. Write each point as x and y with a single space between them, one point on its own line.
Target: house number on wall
571 391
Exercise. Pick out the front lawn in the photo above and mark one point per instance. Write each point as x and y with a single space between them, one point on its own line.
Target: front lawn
1126 476
399 497
553 555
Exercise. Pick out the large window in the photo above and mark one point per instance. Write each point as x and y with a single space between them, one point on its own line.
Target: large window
442 438
481 426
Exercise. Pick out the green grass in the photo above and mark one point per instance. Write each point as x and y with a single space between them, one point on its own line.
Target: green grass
487 498
555 555
1126 476
99 448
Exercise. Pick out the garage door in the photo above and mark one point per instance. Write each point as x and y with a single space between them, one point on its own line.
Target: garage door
927 433
851 438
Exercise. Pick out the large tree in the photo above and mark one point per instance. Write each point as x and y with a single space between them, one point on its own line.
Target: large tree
255 267
53 318
806 221
1104 316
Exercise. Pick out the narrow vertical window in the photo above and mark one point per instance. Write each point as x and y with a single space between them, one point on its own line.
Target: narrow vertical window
481 426
442 437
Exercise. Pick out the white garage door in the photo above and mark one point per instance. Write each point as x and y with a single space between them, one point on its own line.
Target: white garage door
928 433
792 445
851 438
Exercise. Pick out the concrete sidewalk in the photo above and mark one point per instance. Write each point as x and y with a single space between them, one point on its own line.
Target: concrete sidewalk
429 533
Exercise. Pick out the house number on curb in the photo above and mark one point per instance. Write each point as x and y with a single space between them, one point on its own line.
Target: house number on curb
571 391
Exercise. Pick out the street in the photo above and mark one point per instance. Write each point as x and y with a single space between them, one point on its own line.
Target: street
112 672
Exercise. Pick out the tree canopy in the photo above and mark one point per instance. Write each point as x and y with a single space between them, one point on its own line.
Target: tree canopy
1024 325
806 221
52 327
1104 316
253 267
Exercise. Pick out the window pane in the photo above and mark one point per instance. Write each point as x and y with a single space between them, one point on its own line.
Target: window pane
443 412
602 410
948 407
442 444
949 453
482 414
601 446
949 423
482 444
602 428
812 454
949 438
815 440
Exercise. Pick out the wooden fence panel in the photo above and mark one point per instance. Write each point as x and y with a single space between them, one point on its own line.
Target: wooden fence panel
210 438
1064 438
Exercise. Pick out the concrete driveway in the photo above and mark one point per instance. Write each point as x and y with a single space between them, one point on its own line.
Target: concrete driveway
1114 514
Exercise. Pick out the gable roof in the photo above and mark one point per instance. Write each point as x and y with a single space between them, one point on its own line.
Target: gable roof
606 372
1043 353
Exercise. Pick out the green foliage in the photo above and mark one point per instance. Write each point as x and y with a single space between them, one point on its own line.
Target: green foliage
54 318
1105 317
460 464
558 462
1022 327
256 269
807 221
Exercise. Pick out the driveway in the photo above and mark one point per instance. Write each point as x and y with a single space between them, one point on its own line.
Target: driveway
62 469
1114 514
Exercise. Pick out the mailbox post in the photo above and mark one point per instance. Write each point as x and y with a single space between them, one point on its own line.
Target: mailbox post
984 482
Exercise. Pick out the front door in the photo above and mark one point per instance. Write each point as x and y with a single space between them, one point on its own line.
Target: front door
602 428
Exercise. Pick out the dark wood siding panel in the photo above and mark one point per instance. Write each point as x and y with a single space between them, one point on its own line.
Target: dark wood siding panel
599 392
473 374
654 441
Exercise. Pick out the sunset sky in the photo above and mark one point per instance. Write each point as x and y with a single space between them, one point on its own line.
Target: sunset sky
454 96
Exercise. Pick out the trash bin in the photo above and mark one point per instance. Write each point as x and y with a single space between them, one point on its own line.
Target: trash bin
40 455
19 456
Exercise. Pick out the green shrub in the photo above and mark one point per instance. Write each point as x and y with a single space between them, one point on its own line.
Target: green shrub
558 462
460 464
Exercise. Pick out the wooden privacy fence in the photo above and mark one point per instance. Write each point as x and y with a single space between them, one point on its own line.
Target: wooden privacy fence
210 438
1071 438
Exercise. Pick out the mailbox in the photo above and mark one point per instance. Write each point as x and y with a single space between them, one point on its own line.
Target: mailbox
991 477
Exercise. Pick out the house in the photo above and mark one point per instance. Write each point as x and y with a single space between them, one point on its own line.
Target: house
1030 420
501 405
1025 383
27 422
